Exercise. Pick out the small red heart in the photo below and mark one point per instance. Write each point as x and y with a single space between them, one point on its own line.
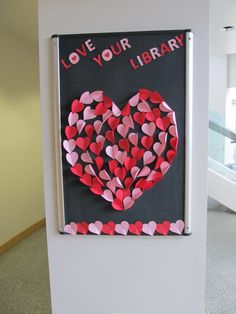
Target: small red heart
96 148
82 227
86 179
139 117
129 163
147 141
109 228
171 155
121 194
158 163
77 106
157 177
144 184
106 54
156 98
153 115
89 129
136 228
70 131
113 164
107 101
96 189
110 136
113 122
100 109
174 143
126 110
163 123
117 204
124 144
83 142
99 162
120 173
163 228
128 182
137 153
144 94
77 169
98 180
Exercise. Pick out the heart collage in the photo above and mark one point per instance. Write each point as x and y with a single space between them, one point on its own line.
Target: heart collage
120 153
124 228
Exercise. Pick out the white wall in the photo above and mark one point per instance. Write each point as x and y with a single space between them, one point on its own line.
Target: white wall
21 177
92 275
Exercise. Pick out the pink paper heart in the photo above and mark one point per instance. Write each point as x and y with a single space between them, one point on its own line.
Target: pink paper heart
159 148
133 138
136 193
149 128
86 98
71 228
172 117
128 121
122 228
80 125
107 195
173 131
162 137
89 113
122 130
116 111
144 172
106 115
89 170
104 175
164 107
72 158
96 227
164 167
149 228
121 156
148 158
134 100
69 145
112 151
177 227
97 95
111 186
86 158
73 118
144 106
134 172
117 182
128 202
100 139
97 126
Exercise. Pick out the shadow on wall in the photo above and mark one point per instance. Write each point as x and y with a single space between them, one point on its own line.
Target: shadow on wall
21 202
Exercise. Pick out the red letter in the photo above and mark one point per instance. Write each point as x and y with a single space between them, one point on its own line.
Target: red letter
146 57
164 49
180 39
83 52
66 66
134 66
98 60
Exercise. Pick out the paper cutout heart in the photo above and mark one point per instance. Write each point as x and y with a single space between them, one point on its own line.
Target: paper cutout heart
117 153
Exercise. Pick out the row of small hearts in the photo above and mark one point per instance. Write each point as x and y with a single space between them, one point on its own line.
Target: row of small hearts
124 228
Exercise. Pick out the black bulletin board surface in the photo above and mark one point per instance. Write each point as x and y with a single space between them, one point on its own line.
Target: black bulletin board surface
136 69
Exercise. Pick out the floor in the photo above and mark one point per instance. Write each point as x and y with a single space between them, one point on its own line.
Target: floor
25 290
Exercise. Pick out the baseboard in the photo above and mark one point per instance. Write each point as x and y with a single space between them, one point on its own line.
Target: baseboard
24 234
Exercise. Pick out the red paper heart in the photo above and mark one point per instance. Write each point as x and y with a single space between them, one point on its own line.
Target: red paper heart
163 228
136 228
115 155
82 227
109 228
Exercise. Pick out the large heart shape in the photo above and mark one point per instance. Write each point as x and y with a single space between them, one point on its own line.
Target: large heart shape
120 153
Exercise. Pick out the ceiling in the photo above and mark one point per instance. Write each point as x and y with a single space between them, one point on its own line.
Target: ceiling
19 17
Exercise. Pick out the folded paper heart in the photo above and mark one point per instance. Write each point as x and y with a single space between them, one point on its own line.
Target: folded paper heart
120 153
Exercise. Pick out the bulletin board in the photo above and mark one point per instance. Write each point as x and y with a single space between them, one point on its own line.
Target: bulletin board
123 110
